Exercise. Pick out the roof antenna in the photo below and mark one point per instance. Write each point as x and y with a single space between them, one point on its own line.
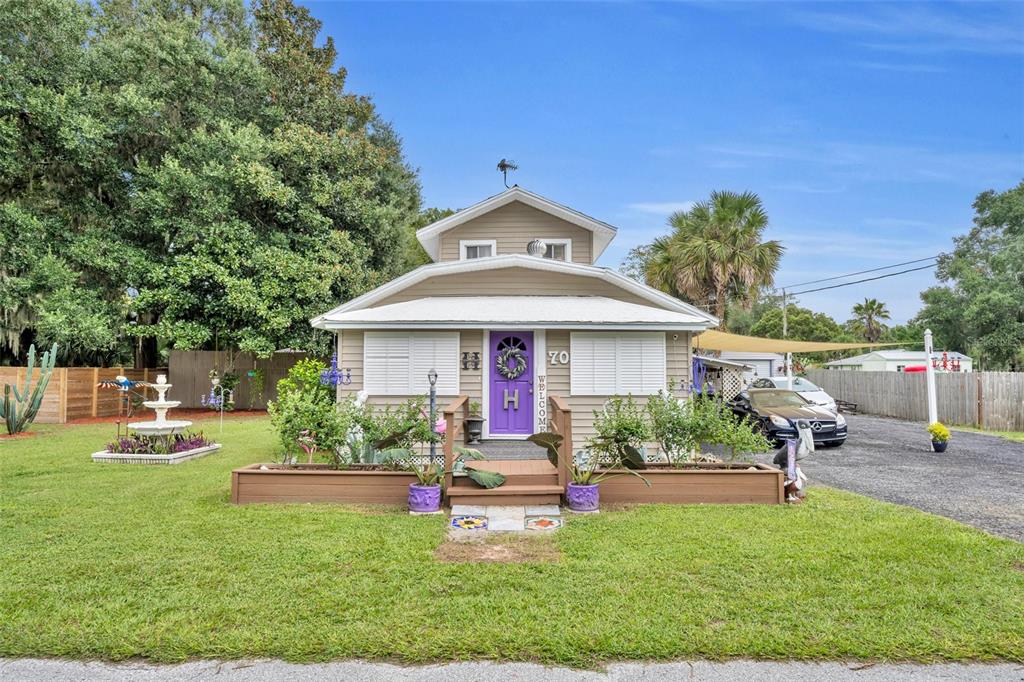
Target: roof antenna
506 165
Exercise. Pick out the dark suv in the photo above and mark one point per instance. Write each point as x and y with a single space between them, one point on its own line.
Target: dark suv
776 411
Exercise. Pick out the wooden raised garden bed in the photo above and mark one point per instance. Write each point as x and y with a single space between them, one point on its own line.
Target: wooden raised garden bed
710 483
319 483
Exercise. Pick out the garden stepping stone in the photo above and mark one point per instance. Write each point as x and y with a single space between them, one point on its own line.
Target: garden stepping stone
469 521
468 510
543 523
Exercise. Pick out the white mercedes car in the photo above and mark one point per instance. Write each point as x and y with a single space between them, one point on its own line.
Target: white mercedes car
807 390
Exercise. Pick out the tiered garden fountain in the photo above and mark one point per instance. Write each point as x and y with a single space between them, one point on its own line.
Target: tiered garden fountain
159 441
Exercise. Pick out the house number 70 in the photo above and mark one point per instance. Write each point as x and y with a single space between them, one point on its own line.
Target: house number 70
558 357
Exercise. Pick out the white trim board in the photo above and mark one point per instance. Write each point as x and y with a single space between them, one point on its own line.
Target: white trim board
521 261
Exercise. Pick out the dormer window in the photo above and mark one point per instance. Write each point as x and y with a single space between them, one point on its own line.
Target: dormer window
558 249
477 248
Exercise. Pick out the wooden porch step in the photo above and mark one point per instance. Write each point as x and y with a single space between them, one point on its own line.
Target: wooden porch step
522 472
506 495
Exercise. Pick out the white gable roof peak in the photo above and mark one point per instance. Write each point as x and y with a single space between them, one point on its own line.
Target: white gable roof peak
430 236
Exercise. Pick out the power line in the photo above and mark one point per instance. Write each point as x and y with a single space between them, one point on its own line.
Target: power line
859 281
861 272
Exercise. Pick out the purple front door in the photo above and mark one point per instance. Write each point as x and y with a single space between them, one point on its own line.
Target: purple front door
511 409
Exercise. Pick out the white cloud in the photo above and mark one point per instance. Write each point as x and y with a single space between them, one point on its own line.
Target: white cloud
661 208
846 243
924 29
905 68
805 188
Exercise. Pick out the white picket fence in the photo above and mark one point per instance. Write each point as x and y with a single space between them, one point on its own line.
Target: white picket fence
990 400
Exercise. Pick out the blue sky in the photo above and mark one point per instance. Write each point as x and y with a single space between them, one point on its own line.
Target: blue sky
867 129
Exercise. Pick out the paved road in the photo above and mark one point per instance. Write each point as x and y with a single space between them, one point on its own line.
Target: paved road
979 480
34 670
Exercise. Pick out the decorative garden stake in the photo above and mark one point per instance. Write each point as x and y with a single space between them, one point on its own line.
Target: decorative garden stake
334 376
307 441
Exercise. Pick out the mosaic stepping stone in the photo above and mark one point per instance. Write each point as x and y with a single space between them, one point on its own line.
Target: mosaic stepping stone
469 522
543 523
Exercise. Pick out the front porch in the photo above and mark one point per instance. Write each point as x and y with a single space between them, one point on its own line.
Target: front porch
530 479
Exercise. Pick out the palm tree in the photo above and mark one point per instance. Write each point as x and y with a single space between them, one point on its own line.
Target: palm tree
714 254
868 314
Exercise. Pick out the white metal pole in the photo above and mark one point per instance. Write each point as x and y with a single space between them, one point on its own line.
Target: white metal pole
930 375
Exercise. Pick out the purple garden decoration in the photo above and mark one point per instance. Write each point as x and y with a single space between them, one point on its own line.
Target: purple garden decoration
582 498
334 376
424 498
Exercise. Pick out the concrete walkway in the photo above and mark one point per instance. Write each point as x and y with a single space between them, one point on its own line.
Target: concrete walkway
50 670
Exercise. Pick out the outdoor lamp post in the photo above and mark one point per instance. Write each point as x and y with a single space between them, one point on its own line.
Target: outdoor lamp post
432 378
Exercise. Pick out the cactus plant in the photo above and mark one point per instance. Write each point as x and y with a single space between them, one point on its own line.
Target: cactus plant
19 408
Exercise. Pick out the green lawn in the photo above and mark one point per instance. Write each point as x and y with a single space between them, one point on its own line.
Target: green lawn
1009 435
115 561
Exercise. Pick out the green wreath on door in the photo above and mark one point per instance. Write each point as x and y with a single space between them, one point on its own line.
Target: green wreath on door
513 357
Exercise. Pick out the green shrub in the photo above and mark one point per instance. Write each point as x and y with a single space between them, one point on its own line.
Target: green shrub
672 427
304 376
403 427
621 429
302 413
681 427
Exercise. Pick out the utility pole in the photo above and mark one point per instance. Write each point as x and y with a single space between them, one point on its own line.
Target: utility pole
785 333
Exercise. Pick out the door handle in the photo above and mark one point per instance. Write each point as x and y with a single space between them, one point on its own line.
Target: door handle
514 399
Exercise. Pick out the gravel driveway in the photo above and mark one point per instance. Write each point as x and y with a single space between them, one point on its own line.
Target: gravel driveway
979 480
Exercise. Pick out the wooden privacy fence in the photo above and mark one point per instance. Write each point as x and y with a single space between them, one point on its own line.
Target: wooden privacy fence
990 400
72 392
190 374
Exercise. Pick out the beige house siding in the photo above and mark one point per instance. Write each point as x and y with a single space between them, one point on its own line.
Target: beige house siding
678 349
677 367
513 226
350 357
518 281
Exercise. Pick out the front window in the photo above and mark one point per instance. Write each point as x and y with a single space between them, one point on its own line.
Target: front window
769 399
801 384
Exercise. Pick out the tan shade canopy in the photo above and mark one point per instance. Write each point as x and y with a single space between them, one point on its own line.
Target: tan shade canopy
716 340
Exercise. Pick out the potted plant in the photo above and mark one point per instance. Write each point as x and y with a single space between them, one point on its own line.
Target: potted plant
474 422
616 450
425 494
940 436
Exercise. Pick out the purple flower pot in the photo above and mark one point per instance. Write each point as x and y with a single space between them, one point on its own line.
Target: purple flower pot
424 498
582 498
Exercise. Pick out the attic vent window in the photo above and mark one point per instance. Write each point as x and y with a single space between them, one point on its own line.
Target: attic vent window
557 249
481 248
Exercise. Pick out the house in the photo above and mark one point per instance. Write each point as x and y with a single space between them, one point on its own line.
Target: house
511 312
763 364
900 360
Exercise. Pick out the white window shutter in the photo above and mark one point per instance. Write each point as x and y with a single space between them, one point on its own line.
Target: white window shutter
615 364
438 351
